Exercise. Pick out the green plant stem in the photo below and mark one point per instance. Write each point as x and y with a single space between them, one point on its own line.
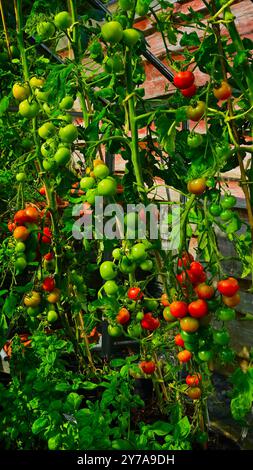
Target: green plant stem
183 222
20 38
7 39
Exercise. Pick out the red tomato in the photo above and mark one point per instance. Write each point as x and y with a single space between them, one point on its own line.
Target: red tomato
134 293
183 80
32 214
47 235
184 356
149 322
232 301
21 233
123 316
48 284
204 291
198 308
11 226
196 268
190 91
179 340
223 92
21 217
178 309
148 367
165 300
49 256
193 380
194 393
42 191
228 287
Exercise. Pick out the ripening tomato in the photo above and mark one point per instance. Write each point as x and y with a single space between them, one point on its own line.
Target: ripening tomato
194 393
184 356
32 214
21 91
123 316
190 91
134 293
49 256
193 380
223 92
165 300
184 79
179 340
204 291
48 284
11 226
231 301
196 268
167 315
21 217
178 309
185 260
197 186
42 191
33 299
195 113
148 367
54 296
228 287
198 308
21 233
189 324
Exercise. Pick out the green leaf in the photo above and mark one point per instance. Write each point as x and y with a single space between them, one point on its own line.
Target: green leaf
117 362
73 402
190 39
4 104
182 428
161 428
9 306
240 58
121 444
62 387
39 425
89 385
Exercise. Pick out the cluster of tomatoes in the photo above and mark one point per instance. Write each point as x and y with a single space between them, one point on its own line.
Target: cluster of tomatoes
184 81
98 182
56 149
223 208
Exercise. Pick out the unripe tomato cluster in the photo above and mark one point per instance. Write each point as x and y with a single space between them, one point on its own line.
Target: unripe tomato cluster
98 182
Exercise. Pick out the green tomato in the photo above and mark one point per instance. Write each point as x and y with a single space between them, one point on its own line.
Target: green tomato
115 330
21 177
147 265
127 266
65 117
20 247
33 311
41 95
47 130
215 209
205 355
194 140
189 337
112 32
66 103
101 171
190 346
28 110
45 30
142 8
131 36
91 196
211 182
138 252
221 337
212 304
63 20
107 187
20 263
108 270
48 165
52 316
62 156
139 316
225 314
228 202
134 330
87 183
117 253
48 148
226 215
126 5
68 133
111 288
114 64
